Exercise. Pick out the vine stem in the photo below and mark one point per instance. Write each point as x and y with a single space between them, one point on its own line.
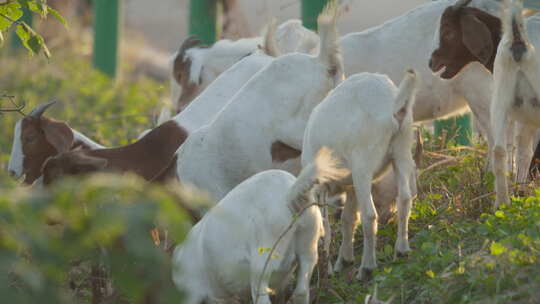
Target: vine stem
295 219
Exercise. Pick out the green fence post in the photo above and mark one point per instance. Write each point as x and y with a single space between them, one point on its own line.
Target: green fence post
457 128
310 11
106 28
203 16
27 17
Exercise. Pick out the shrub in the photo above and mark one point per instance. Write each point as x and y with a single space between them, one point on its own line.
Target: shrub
47 239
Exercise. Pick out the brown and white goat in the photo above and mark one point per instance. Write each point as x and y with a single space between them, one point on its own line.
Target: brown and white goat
37 138
467 36
148 157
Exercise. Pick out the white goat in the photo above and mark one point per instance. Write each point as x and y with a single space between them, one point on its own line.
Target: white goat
194 67
262 126
367 121
224 255
516 97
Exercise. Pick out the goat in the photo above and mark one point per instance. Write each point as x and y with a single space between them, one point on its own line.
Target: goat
367 122
195 66
407 42
262 126
145 157
224 255
37 138
202 111
515 97
199 113
453 55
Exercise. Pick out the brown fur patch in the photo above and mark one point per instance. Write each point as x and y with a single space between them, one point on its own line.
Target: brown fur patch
147 157
168 173
281 152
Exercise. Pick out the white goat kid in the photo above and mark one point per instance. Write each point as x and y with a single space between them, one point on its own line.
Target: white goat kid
271 110
367 121
224 255
515 96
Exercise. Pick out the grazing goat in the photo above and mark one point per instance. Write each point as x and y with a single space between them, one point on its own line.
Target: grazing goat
202 111
262 126
146 157
515 96
367 122
224 255
37 138
195 66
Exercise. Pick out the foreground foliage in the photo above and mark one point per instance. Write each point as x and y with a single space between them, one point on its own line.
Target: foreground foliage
47 240
11 15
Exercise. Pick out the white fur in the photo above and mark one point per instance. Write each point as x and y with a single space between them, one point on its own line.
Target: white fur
208 63
223 256
274 105
367 122
15 166
513 81
206 106
292 37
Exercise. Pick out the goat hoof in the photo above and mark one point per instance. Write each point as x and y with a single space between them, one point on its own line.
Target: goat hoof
365 274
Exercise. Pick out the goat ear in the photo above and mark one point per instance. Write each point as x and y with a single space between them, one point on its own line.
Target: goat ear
477 37
179 67
58 134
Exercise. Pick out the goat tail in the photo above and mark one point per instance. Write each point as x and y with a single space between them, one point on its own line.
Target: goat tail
324 169
406 96
330 53
270 47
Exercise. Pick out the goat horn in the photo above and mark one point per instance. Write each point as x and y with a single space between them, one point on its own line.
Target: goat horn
461 3
40 109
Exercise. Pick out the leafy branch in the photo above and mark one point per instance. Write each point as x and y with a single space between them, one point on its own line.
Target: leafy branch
11 13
